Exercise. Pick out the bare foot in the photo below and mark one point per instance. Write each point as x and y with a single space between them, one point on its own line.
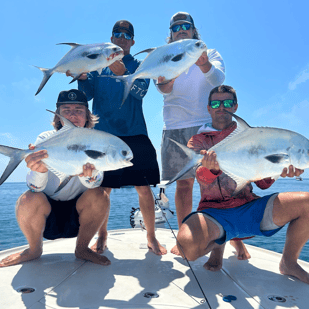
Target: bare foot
20 257
242 252
291 268
175 250
155 247
88 255
215 260
100 244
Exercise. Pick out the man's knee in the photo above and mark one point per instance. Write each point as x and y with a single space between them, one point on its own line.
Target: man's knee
185 242
98 199
31 201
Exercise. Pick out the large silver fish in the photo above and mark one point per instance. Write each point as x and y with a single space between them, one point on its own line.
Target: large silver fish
169 60
249 154
83 59
70 148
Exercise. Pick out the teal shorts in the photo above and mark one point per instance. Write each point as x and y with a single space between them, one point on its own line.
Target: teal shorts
242 221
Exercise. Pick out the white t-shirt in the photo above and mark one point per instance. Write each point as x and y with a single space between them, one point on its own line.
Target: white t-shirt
186 105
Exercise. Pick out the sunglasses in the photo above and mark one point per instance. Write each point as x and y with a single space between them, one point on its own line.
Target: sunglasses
226 103
177 28
118 35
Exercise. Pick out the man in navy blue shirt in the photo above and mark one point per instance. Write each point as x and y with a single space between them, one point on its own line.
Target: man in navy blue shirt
128 123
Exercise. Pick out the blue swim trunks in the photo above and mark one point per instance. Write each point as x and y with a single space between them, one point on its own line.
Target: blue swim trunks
241 221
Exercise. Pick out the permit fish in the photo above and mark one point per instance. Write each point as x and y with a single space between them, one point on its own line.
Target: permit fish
250 154
83 59
70 148
169 60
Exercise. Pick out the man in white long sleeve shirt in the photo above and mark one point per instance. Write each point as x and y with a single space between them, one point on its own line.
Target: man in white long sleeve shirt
55 208
184 112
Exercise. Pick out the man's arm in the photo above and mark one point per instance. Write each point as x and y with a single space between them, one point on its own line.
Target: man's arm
38 176
91 178
139 87
212 66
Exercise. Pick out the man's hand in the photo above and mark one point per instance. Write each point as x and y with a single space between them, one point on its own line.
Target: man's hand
118 68
203 63
209 160
87 170
168 87
291 172
34 160
82 77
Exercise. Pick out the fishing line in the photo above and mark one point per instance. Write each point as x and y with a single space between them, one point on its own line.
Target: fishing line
209 306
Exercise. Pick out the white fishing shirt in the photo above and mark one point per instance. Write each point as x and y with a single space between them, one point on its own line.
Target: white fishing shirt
48 182
186 105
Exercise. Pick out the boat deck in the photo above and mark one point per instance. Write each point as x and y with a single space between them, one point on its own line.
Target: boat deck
60 280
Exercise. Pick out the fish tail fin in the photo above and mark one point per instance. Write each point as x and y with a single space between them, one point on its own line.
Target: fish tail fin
47 73
194 161
16 156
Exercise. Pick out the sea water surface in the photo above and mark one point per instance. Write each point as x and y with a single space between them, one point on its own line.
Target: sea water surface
122 201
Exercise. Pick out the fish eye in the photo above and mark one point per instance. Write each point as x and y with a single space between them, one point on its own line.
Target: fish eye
124 153
198 44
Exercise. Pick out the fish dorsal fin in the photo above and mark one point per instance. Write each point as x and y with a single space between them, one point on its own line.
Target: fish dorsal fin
73 45
178 57
67 126
67 123
149 50
241 126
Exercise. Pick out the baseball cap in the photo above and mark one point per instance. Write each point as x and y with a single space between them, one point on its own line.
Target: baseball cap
181 17
72 96
123 25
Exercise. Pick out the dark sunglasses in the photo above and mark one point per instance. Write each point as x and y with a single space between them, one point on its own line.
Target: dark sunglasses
177 28
118 35
226 103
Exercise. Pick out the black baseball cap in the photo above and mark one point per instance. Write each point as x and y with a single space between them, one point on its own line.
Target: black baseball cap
181 17
72 96
123 25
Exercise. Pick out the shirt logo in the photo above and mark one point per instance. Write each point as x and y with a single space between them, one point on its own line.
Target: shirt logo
72 96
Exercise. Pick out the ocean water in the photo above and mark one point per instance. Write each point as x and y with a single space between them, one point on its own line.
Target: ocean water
122 201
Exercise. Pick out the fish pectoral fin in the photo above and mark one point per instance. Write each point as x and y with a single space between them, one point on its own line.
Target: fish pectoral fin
93 56
148 50
178 57
277 158
93 154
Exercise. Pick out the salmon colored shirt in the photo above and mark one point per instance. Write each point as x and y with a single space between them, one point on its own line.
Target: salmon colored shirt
217 187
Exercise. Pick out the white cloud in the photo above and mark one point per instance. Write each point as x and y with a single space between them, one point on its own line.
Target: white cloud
303 77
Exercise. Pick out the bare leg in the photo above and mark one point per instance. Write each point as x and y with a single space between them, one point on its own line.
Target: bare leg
146 203
93 209
101 243
183 203
293 207
196 237
32 209
215 260
241 250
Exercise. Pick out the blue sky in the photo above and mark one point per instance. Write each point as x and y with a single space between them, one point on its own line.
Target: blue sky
264 45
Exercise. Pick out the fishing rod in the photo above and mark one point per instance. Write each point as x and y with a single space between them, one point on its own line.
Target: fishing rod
179 245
